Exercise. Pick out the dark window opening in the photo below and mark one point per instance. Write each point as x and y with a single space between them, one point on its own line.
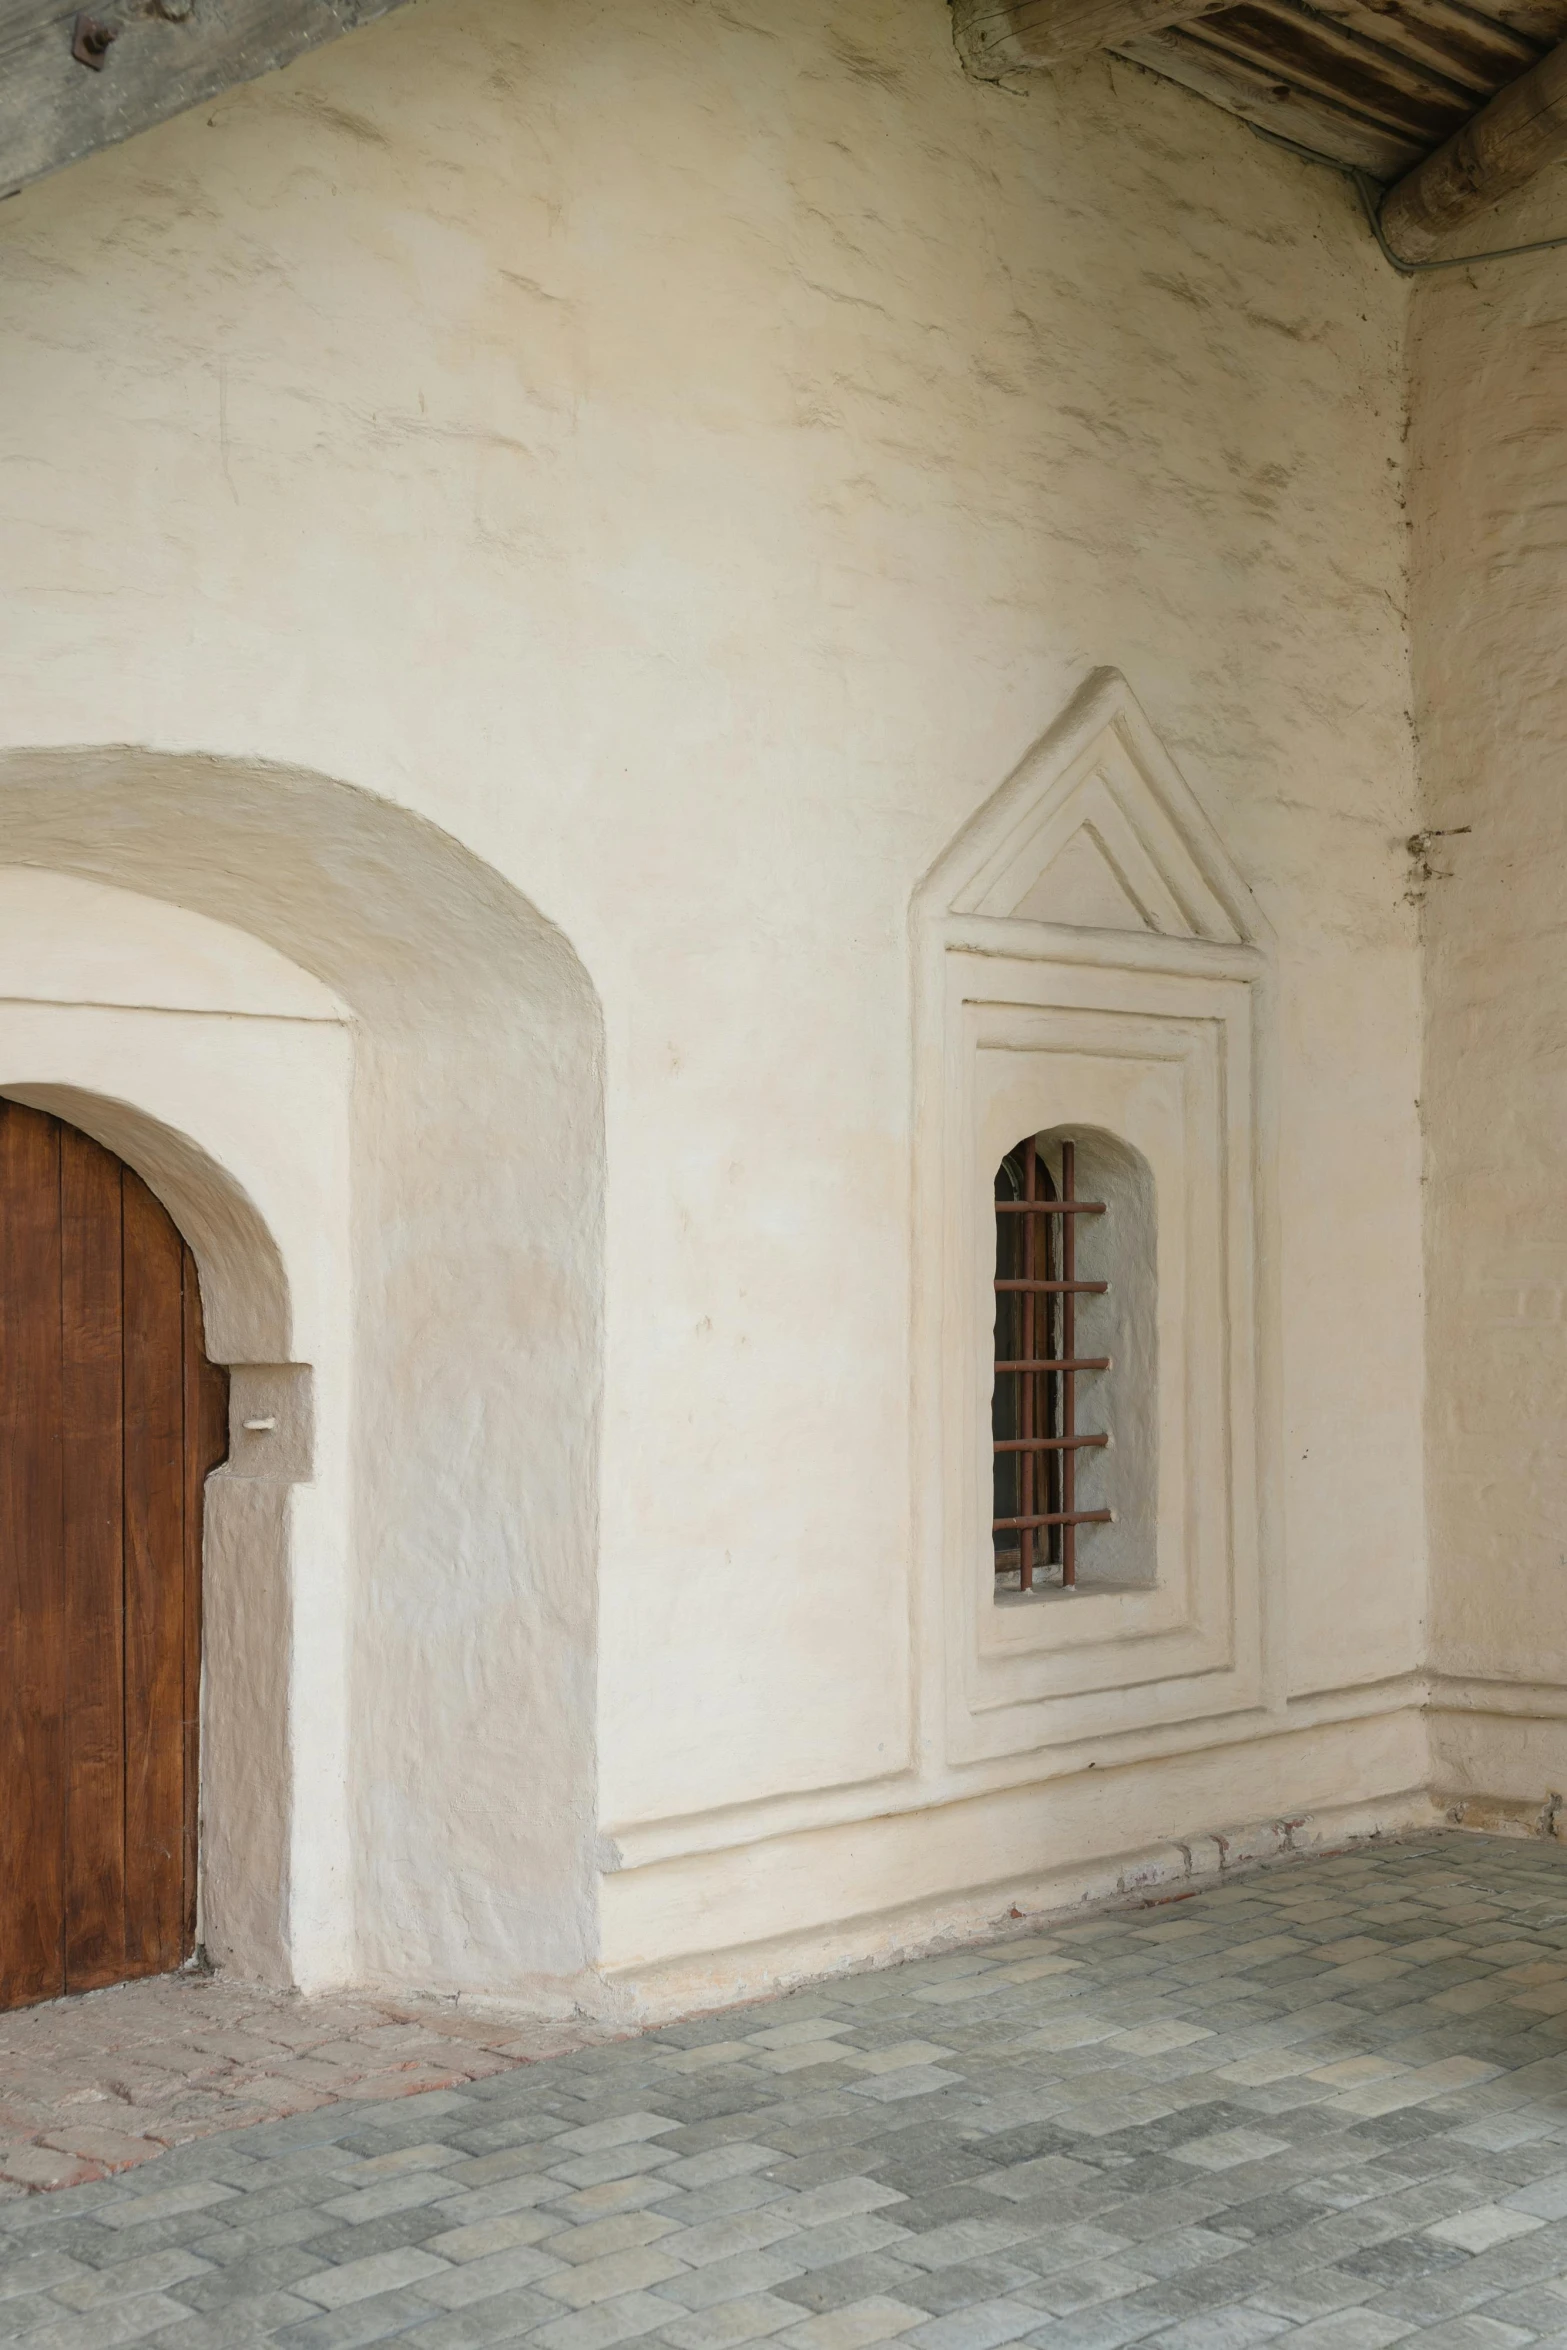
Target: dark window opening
1035 1400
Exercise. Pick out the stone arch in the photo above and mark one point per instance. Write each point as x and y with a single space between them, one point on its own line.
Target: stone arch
474 1137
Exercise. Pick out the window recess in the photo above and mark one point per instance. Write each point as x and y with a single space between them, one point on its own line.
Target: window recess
1035 1400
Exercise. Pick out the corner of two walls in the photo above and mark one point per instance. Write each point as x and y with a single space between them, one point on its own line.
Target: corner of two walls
1487 463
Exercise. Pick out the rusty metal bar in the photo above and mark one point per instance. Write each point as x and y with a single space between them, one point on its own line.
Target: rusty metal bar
1025 1420
1059 1518
1068 1368
1058 1363
1083 1288
1045 1443
1050 1207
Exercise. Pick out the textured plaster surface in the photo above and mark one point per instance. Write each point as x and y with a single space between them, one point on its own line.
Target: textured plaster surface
1490 449
685 454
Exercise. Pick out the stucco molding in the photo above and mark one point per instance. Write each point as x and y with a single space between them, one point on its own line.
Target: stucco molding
1087 952
1101 771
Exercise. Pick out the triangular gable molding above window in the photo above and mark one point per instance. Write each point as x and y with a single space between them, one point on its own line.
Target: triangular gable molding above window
1097 830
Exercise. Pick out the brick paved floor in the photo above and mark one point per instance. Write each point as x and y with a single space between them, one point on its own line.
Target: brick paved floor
91 2086
1324 2106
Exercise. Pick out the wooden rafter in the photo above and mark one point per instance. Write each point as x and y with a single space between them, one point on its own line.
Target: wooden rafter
1496 152
74 80
1457 108
1025 35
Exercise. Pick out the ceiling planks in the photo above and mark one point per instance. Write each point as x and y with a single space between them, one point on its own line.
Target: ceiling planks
1258 91
1377 85
997 37
1501 148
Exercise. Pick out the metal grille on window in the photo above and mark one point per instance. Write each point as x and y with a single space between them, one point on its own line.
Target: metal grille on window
1034 1408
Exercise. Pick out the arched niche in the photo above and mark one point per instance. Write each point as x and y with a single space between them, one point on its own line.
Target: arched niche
473 1286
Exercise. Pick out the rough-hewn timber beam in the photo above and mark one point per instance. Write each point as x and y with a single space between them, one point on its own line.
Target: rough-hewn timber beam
996 37
1522 129
72 80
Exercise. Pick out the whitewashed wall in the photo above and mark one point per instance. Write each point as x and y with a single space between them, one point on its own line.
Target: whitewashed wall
1490 449
688 455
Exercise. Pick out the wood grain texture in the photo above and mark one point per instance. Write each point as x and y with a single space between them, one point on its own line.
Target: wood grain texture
54 111
93 1413
154 1581
1324 59
1259 94
1502 148
111 1418
1029 35
206 1442
1461 105
32 1613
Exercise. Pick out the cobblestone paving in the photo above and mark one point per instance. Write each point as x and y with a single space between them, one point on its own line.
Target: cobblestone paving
1324 2106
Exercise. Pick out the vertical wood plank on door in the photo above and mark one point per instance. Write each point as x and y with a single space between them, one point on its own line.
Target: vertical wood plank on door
32 1615
206 1445
155 1662
93 1413
110 1419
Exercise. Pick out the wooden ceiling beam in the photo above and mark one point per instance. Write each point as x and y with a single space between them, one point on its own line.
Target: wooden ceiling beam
72 80
997 37
1497 151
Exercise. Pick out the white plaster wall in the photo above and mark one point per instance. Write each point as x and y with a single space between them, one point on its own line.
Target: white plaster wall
1490 450
688 453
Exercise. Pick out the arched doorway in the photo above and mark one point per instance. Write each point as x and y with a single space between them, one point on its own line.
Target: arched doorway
111 1418
389 1157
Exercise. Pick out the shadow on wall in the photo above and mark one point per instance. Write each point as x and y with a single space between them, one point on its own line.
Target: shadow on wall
478 1208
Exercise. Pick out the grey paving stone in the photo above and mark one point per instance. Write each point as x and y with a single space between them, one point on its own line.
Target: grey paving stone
869 2274
207 2288
1474 2333
984 2325
253 2325
1537 2307
942 2290
1430 2300
21 2312
1302 2106
40 2270
372 2273
1108 2327
104 2329
1080 2288
730 2280
487 2323
1311 2293
609 2322
1397 2259
381 2317
1224 2329
731 2323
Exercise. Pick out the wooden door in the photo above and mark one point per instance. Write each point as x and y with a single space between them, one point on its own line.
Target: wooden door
110 1419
